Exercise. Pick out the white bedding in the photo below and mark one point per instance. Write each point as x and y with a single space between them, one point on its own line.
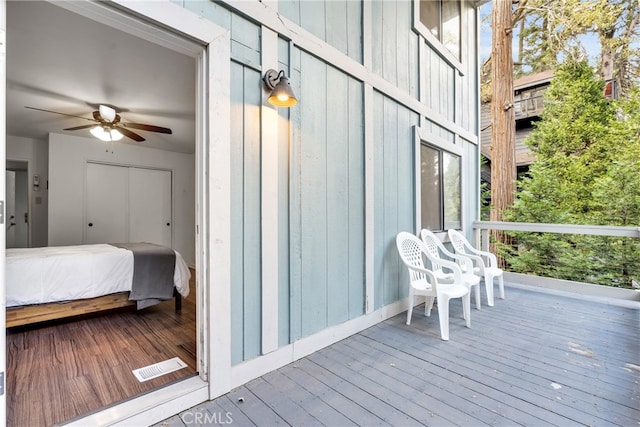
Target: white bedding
64 273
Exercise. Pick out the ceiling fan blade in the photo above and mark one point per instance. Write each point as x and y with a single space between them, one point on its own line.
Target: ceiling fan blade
56 112
81 127
126 132
149 128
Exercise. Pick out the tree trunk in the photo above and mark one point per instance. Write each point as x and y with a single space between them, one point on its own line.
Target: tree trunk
608 55
503 153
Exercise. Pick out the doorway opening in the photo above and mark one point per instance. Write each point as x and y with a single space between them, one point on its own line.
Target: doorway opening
17 204
89 361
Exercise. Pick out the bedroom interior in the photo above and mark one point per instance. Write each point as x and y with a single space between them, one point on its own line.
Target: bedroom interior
73 190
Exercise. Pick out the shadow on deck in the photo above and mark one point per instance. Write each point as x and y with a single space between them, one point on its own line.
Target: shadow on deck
533 359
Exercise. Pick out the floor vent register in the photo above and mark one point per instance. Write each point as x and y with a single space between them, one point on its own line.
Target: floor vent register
158 369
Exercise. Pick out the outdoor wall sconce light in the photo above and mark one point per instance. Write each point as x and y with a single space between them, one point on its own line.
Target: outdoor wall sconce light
281 92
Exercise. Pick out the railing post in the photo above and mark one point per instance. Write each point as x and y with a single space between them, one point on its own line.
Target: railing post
476 237
485 240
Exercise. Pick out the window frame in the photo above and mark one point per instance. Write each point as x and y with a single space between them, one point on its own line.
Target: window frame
424 137
435 43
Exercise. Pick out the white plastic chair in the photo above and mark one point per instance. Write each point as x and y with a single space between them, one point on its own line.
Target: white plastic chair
435 247
423 282
485 264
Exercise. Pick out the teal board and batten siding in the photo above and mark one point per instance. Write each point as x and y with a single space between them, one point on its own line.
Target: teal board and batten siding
338 23
246 100
468 85
284 142
438 78
394 46
322 209
327 198
394 197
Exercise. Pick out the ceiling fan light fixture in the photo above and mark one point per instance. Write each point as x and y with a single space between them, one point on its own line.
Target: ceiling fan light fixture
106 134
107 113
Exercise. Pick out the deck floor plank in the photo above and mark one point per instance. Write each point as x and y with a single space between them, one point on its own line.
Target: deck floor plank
439 392
391 389
476 398
529 384
534 359
352 402
282 402
353 412
481 379
253 407
319 409
385 411
561 366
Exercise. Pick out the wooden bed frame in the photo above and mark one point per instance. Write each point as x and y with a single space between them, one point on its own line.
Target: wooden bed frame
29 314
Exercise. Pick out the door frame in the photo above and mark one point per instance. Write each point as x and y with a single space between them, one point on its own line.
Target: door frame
171 26
3 233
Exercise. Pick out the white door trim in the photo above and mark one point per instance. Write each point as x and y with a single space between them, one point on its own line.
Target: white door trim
3 243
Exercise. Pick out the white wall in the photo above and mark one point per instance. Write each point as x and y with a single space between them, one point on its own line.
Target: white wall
36 153
68 156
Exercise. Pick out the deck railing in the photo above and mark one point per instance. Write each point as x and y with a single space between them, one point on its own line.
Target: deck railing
599 255
528 107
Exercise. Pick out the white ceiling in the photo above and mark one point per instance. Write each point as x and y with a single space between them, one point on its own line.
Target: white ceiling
61 61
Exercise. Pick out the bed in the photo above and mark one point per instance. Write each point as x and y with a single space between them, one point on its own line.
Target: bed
61 281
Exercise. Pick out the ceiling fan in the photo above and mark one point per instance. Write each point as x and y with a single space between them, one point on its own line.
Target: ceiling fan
107 125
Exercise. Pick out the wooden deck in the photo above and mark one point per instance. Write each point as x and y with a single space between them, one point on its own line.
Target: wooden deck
533 359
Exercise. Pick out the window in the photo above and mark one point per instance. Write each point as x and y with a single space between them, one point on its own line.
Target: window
442 19
440 188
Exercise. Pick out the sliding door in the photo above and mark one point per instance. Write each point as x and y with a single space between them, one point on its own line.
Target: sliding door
107 200
127 204
150 206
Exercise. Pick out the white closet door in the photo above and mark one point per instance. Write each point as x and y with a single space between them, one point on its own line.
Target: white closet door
150 206
107 209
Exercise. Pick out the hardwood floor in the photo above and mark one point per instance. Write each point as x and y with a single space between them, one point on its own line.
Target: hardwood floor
60 370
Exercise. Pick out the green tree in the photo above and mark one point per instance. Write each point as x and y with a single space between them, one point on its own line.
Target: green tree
586 172
551 29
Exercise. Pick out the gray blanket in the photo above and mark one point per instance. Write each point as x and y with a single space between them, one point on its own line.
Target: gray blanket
153 269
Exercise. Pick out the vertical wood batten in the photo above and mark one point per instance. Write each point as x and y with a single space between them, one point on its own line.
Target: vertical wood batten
269 200
377 199
357 200
295 206
285 132
369 161
236 223
390 209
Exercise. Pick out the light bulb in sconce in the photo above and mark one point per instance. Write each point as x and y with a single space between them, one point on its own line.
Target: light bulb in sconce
281 93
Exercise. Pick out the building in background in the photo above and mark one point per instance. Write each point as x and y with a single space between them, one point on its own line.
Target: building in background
528 103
